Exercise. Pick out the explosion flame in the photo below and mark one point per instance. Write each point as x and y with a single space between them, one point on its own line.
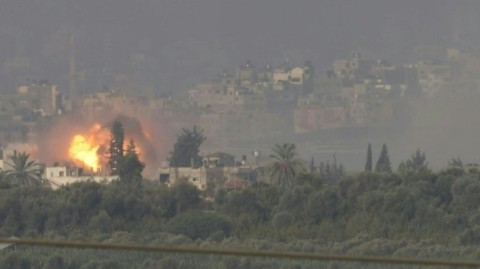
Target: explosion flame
89 150
84 148
83 151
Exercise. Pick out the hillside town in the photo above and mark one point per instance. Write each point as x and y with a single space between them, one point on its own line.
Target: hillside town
220 134
249 103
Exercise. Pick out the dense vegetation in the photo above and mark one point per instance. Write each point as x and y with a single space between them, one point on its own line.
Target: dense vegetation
186 151
410 213
413 212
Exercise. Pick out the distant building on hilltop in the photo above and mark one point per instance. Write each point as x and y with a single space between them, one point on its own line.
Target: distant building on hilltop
41 96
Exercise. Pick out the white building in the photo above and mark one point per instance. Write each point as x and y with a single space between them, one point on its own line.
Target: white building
58 176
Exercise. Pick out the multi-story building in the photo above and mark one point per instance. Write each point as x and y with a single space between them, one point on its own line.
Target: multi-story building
95 105
40 97
219 168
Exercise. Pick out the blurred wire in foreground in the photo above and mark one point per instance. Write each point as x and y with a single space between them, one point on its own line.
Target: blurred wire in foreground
246 253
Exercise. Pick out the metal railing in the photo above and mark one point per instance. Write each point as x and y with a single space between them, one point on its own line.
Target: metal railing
244 253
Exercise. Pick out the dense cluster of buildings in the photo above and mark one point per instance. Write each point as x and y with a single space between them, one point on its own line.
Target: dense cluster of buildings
252 103
219 169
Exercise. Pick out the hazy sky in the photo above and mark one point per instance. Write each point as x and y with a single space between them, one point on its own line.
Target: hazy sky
170 46
161 42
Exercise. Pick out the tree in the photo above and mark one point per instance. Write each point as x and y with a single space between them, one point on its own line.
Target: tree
117 137
24 171
124 163
418 160
416 163
130 167
186 150
282 220
368 164
456 163
285 166
383 163
186 196
199 224
312 166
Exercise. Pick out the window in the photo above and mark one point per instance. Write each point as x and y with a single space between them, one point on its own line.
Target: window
62 173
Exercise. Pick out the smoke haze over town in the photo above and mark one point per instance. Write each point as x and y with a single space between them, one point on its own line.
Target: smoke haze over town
168 48
185 42
239 134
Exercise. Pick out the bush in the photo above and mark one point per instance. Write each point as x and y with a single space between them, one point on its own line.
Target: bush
198 224
282 220
15 261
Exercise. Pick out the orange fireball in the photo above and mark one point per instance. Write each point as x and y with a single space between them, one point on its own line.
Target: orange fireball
88 150
81 150
84 147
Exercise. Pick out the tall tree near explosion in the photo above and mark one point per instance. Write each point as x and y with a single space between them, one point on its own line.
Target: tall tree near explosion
186 150
24 171
130 168
117 138
285 165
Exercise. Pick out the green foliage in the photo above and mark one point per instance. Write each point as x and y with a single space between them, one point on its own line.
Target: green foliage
368 213
186 150
101 222
465 192
243 208
416 164
383 163
323 205
443 186
313 180
282 220
331 172
368 162
14 261
124 163
399 205
117 137
198 224
456 162
312 166
185 196
105 264
55 262
285 166
130 167
294 201
168 263
471 236
24 171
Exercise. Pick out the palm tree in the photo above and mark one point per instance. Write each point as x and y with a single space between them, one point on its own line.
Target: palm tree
24 171
285 166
